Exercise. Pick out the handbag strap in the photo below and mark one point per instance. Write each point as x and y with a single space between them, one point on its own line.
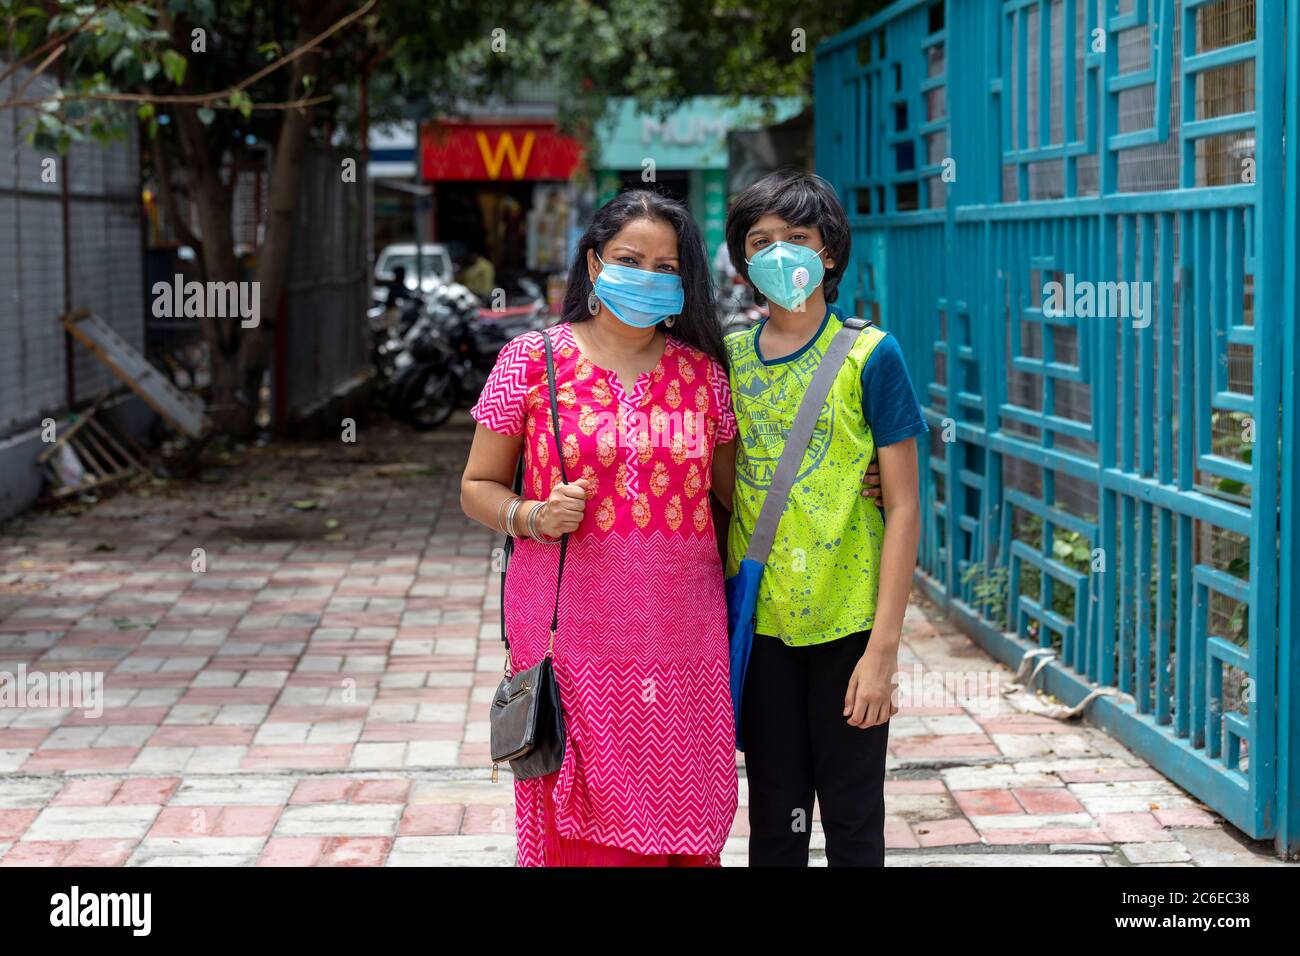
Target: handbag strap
564 477
519 490
796 445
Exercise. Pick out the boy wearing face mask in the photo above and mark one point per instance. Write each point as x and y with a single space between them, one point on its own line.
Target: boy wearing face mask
818 687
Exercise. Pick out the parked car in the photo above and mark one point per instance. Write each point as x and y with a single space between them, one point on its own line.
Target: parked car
435 267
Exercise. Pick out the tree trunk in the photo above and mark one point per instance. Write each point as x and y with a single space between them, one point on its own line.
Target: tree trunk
230 405
238 355
273 257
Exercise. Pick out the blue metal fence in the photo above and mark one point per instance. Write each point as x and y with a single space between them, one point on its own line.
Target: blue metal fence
1079 220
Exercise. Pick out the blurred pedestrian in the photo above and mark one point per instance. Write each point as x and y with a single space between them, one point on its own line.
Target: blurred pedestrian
397 288
477 274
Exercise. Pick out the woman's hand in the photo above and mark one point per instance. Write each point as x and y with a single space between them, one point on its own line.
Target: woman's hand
563 509
869 698
871 487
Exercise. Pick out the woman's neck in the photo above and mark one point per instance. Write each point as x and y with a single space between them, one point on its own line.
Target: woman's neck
613 337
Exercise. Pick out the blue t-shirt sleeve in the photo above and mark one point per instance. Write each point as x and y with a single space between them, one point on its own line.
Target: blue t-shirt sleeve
888 400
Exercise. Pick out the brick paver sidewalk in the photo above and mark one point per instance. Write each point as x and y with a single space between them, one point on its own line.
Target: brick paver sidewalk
318 695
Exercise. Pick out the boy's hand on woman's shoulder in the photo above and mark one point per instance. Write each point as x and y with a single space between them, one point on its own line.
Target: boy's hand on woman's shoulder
871 487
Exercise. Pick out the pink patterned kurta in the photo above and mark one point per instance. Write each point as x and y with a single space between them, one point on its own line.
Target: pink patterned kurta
641 652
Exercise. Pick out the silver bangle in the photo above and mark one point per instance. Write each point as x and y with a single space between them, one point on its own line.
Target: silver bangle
501 507
510 517
536 533
535 516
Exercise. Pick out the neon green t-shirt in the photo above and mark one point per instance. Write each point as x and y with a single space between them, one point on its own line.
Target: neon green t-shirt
822 575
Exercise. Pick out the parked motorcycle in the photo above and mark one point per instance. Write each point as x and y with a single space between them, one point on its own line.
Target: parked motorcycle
433 354
406 348
479 334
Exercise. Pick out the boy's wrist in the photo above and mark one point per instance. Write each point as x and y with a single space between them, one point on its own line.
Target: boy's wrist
884 641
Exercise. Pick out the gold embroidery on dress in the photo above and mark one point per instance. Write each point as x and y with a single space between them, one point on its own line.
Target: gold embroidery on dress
673 512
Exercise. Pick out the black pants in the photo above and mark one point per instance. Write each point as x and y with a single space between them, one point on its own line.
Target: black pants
798 743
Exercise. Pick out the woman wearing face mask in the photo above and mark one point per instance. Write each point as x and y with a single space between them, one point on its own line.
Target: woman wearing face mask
640 653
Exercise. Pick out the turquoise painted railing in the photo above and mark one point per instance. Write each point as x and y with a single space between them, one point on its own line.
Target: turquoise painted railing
1080 222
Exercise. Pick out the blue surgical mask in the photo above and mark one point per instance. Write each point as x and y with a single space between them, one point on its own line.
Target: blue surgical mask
639 297
786 273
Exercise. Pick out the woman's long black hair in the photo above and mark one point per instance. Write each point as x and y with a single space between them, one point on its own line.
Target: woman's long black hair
698 323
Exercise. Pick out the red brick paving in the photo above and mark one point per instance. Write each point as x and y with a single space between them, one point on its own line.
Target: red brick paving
317 701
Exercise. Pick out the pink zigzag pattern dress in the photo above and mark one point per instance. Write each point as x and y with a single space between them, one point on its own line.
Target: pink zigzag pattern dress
649 773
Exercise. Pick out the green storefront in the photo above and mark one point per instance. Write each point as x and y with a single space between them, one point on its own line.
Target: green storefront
685 151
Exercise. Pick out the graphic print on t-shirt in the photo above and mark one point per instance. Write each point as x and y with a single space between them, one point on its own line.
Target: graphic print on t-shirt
768 398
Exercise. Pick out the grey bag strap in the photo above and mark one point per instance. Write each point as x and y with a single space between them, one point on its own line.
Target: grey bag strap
805 421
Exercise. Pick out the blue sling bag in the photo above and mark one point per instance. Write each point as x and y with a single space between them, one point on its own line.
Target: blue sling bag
742 587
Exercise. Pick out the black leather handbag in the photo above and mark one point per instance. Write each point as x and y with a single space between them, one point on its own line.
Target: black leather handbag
527 721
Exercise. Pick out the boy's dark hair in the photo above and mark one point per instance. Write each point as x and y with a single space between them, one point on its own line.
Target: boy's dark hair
800 198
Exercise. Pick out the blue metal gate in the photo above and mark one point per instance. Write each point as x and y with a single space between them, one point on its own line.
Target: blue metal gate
1079 220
